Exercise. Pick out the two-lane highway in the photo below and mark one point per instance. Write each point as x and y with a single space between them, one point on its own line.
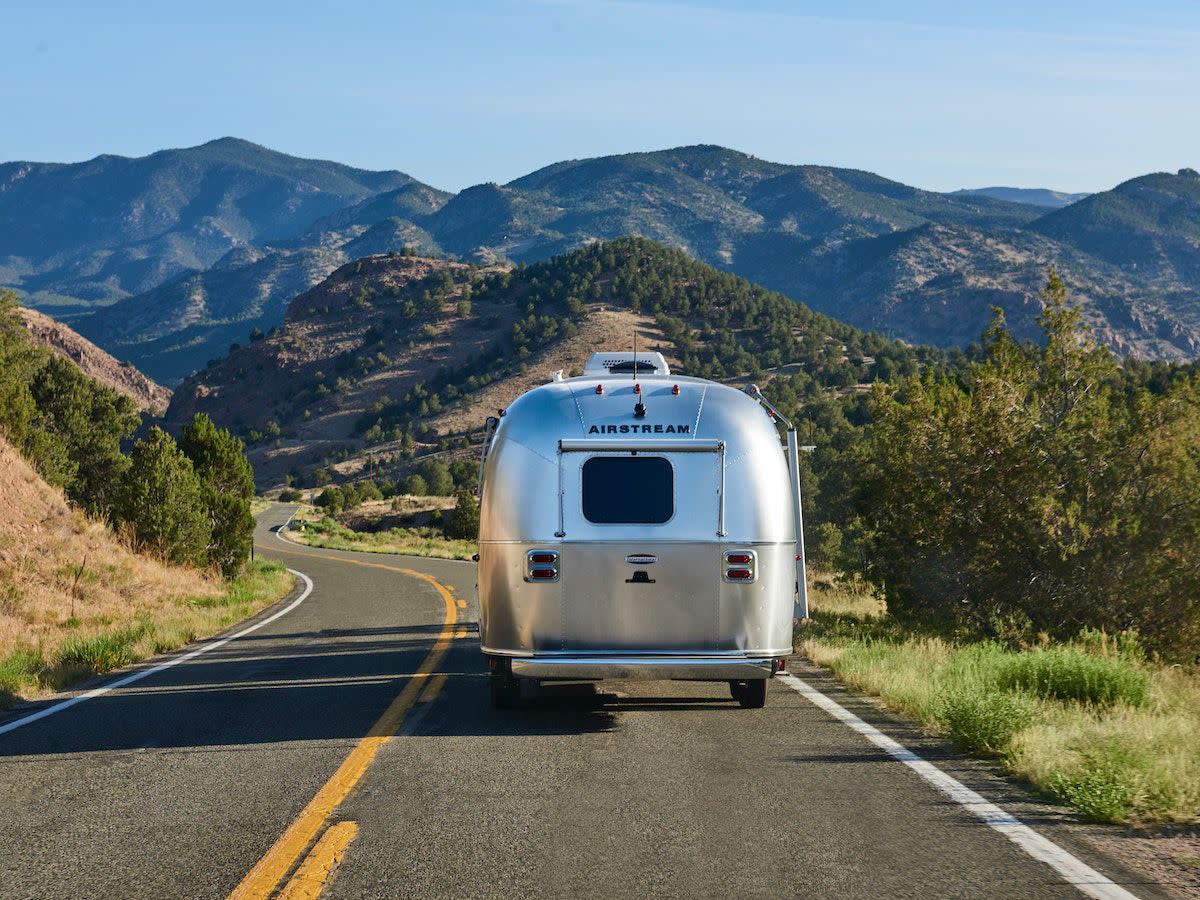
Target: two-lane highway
267 765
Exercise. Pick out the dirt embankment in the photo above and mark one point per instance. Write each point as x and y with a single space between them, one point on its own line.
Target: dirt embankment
149 395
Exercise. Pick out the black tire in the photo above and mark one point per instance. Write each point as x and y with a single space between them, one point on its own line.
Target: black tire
736 688
506 690
753 694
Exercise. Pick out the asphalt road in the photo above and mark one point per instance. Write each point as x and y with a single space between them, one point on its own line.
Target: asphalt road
226 769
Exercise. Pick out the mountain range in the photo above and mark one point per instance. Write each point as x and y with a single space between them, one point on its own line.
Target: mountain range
169 259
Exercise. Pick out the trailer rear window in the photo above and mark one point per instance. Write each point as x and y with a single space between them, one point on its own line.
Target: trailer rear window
628 490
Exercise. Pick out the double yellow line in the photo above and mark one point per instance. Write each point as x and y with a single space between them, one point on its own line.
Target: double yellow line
262 880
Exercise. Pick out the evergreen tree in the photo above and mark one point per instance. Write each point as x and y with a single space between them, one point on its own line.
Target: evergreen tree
462 522
227 482
163 500
88 421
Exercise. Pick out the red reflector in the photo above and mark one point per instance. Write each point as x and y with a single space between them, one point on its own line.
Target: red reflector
599 389
543 557
738 558
637 388
675 390
543 573
738 574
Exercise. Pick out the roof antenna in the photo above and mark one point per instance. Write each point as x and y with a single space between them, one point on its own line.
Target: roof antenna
639 408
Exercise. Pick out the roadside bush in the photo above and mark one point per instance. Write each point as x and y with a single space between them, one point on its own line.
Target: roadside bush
290 495
103 652
1034 492
1104 788
462 522
163 501
1067 673
331 499
227 486
981 720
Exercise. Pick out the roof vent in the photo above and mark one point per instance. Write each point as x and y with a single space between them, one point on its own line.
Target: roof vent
622 363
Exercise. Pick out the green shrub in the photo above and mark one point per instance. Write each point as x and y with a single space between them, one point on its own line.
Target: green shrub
1104 788
437 476
103 652
983 720
1067 673
462 522
415 486
16 669
165 502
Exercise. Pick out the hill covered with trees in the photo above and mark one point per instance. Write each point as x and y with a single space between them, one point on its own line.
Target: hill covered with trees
393 357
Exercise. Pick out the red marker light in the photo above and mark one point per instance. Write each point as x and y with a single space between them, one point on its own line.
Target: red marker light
637 388
675 390
599 389
543 573
740 559
738 574
543 557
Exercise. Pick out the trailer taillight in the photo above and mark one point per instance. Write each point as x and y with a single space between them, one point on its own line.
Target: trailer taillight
541 565
740 566
599 389
675 390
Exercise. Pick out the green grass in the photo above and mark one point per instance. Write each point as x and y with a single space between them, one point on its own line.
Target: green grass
1091 723
31 671
322 531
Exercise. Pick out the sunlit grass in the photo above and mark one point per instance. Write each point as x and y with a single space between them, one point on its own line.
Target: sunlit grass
77 650
318 530
1091 723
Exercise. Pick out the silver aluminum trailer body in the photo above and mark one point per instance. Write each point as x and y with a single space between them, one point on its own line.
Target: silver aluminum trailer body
636 527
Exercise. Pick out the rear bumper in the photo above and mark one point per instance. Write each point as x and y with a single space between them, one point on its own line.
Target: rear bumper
651 668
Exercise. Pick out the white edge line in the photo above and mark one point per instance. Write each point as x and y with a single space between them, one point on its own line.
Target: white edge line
174 661
1073 870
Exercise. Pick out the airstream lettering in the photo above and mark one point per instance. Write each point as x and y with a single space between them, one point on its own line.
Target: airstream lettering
636 524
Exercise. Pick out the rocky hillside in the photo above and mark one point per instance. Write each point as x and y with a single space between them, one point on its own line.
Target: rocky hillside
393 356
95 363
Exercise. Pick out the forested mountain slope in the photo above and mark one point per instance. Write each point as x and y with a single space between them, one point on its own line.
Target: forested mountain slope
395 356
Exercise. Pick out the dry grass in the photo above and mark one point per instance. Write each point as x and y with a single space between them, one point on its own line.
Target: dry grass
1092 724
315 529
75 600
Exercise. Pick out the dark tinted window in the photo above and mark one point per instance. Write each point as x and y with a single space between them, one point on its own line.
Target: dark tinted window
628 490
640 368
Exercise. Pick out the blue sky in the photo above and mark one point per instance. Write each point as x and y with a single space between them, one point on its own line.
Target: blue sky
1076 96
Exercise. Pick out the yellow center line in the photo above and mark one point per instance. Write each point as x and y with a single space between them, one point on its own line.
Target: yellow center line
310 878
261 880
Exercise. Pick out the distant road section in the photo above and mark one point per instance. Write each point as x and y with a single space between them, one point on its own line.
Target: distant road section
348 749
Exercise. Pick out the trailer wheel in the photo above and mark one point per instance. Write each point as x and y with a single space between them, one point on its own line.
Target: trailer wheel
753 694
504 686
506 691
735 689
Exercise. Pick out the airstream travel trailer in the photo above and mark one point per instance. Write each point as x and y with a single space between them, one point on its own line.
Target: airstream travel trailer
636 524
